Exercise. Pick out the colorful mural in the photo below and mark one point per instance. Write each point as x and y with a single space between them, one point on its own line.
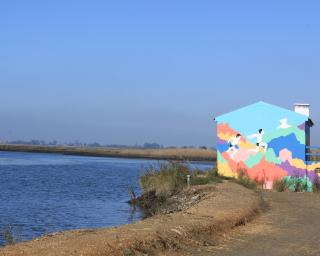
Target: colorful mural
264 141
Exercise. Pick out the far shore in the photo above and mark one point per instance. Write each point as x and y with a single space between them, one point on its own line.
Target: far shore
181 154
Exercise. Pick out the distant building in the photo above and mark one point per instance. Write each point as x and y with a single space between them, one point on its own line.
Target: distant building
266 142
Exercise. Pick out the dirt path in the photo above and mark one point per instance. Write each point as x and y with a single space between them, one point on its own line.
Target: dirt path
290 226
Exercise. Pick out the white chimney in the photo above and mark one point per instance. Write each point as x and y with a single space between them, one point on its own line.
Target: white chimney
302 108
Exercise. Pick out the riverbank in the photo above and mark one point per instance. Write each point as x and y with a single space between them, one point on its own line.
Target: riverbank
186 154
220 208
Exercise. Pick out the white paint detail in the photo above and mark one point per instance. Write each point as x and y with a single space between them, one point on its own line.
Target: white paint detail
284 123
302 108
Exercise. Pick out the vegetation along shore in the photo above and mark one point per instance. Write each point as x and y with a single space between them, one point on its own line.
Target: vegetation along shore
187 154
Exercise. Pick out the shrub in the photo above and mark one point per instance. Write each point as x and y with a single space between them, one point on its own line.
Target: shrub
170 176
298 184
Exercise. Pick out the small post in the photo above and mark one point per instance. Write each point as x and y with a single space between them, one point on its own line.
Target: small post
188 180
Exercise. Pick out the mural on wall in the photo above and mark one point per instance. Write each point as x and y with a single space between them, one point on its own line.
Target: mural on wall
265 141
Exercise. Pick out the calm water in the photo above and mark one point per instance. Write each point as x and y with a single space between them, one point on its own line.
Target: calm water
44 193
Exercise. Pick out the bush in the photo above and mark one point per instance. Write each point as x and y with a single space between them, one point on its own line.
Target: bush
170 176
298 184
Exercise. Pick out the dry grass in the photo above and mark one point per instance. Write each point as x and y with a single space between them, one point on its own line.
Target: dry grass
172 176
190 154
244 180
279 185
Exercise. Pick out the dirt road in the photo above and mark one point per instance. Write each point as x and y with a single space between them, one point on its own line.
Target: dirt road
290 226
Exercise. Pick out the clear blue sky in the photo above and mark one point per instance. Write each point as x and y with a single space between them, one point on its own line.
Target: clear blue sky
128 72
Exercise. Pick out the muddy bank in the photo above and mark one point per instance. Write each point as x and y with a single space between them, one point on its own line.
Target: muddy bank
188 154
164 202
222 207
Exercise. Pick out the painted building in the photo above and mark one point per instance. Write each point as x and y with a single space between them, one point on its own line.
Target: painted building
264 142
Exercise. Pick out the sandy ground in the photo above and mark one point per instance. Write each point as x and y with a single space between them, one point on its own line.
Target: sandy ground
290 226
223 207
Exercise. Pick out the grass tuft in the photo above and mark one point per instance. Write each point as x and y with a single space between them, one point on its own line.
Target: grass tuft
279 185
172 176
8 236
244 180
165 176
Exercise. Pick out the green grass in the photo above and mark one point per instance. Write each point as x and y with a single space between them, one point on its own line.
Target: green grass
209 176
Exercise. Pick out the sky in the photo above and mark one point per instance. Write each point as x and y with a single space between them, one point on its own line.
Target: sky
127 72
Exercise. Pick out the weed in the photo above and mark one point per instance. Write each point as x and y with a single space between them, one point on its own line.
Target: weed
8 236
172 176
167 176
244 180
279 185
316 184
205 177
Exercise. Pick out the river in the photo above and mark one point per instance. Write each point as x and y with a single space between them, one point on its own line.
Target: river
45 193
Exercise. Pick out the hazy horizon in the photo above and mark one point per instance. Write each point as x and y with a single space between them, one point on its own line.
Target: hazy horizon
134 72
